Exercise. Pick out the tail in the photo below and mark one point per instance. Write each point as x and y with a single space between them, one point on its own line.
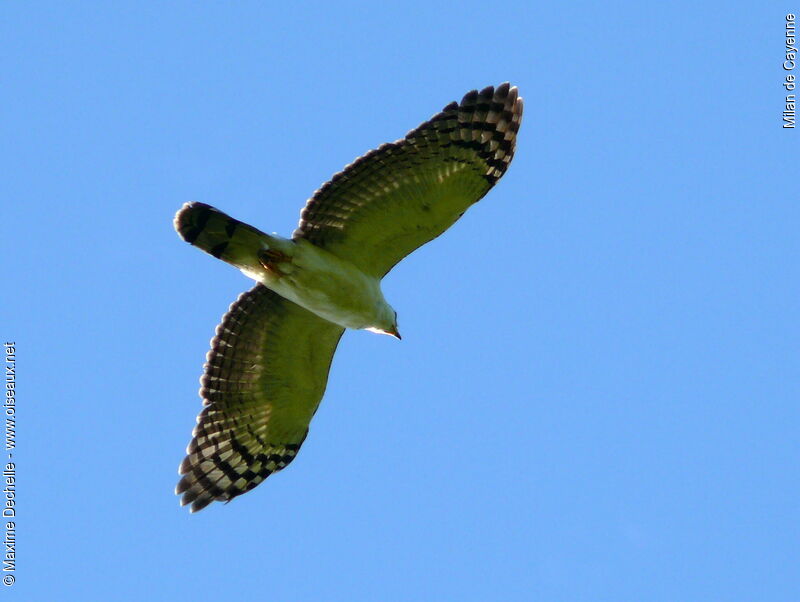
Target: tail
220 235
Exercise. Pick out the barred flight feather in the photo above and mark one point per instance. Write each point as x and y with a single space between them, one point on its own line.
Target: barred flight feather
263 380
403 194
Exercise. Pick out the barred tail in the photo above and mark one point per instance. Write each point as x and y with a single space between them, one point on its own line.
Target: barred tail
220 235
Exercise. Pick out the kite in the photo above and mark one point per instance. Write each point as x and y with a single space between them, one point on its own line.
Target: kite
267 369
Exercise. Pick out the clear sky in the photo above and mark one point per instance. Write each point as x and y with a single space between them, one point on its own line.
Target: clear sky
596 394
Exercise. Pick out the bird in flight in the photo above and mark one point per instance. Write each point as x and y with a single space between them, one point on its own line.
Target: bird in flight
267 369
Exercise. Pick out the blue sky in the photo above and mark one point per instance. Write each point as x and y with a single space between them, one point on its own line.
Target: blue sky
596 395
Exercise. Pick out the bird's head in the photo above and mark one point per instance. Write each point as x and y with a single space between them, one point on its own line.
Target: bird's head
386 323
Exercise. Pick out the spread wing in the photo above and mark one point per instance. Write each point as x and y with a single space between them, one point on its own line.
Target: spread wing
263 380
401 195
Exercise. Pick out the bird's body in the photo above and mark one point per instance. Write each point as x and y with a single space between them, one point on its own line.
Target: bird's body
268 365
319 281
332 288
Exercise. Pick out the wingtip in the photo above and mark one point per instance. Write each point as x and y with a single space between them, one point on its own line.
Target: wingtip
470 97
191 497
504 92
200 503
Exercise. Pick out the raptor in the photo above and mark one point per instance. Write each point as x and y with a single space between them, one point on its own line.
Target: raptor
268 366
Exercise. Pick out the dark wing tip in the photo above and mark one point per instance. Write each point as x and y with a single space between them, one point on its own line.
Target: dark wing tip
193 493
492 116
195 500
470 98
196 487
